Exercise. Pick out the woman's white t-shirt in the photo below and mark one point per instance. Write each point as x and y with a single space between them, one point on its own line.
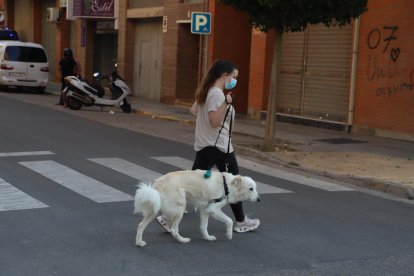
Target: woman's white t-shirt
205 134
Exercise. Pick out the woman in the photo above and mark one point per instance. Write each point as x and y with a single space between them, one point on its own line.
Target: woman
213 144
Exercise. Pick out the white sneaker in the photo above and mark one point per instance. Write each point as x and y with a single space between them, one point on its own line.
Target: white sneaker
247 225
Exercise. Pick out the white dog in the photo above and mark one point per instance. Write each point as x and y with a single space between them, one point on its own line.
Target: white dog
170 194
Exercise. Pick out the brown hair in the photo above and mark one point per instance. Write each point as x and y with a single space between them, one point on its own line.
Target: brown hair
215 72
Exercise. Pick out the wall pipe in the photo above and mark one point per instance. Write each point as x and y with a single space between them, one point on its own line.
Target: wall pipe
353 75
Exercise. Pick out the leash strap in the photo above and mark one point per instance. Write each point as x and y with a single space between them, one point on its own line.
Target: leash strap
228 145
222 126
226 192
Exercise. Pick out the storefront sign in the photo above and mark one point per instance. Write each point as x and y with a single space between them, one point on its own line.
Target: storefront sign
94 8
105 25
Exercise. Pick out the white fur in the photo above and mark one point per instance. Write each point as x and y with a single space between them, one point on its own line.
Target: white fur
170 193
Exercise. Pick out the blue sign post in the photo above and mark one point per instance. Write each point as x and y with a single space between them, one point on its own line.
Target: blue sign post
200 23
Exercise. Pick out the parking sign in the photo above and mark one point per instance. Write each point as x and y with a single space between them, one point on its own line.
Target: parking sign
200 22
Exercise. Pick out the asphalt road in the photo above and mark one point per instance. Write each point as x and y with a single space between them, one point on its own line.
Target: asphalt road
66 184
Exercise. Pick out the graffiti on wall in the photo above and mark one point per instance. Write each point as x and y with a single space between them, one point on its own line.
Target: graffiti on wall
383 62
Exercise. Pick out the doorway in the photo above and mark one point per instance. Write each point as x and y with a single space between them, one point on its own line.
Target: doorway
147 59
105 53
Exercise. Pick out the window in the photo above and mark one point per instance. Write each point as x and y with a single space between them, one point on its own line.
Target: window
25 54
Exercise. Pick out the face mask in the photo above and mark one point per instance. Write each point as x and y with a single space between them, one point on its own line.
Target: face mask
231 84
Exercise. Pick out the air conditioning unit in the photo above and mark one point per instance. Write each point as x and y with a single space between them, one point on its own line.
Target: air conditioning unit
52 15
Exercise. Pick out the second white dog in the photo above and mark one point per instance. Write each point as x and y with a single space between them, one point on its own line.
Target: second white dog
170 194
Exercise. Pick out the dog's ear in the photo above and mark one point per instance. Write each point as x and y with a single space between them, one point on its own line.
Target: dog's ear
238 182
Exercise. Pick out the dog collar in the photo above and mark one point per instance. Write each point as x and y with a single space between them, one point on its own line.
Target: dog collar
226 193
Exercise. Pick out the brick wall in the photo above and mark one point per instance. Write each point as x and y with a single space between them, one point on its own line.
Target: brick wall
260 69
175 71
126 38
24 23
384 99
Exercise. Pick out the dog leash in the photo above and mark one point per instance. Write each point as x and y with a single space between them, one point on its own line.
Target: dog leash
207 174
226 192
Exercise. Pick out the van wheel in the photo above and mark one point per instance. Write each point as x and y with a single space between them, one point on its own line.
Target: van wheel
74 103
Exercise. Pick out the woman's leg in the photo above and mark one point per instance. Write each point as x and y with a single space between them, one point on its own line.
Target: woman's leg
233 168
61 101
204 159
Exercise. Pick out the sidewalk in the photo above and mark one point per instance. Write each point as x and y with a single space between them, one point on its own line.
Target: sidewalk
382 164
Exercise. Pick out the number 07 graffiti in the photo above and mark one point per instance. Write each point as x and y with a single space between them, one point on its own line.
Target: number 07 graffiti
383 66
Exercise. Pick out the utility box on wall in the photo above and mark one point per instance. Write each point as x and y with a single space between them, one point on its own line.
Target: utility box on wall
52 15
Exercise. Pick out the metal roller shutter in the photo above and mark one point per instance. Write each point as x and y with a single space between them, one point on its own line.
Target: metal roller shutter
328 72
315 73
290 85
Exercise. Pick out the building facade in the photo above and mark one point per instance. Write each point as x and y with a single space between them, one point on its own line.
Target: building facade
359 77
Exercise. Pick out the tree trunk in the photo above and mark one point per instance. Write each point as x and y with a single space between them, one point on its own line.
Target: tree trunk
271 105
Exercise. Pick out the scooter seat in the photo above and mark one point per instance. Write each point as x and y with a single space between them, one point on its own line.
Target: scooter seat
96 90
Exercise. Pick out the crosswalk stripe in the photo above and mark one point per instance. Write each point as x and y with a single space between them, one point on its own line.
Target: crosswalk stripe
24 153
77 182
12 198
186 164
127 168
312 182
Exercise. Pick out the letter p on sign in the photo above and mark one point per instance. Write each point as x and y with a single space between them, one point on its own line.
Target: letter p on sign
200 22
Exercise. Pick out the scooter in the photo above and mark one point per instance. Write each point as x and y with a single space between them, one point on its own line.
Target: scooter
80 93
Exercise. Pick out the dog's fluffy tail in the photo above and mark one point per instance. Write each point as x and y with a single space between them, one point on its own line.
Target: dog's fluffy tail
147 200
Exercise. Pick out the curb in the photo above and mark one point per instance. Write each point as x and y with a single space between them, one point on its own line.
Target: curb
164 117
368 183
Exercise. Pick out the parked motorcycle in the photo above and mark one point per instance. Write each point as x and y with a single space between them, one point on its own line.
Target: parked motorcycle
80 93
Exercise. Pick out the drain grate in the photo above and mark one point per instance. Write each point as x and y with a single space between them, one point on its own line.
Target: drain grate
338 141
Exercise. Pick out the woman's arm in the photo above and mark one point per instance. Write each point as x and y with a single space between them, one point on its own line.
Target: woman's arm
216 117
194 108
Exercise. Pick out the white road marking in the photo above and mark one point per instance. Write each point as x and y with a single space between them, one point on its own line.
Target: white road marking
127 168
77 182
12 198
300 179
186 164
24 153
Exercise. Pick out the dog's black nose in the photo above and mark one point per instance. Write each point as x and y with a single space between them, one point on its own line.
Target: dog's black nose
258 199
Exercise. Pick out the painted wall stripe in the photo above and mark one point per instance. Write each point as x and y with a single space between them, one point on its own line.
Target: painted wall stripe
127 168
186 164
77 182
12 198
24 153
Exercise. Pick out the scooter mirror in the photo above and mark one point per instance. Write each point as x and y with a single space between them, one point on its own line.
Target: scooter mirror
96 74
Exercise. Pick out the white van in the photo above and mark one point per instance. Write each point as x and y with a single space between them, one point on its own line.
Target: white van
23 64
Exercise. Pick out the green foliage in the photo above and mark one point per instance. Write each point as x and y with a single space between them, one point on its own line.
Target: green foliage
295 15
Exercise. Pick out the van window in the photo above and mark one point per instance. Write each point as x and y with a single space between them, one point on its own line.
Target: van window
25 54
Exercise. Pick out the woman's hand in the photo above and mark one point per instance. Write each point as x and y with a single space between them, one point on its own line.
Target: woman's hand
229 98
